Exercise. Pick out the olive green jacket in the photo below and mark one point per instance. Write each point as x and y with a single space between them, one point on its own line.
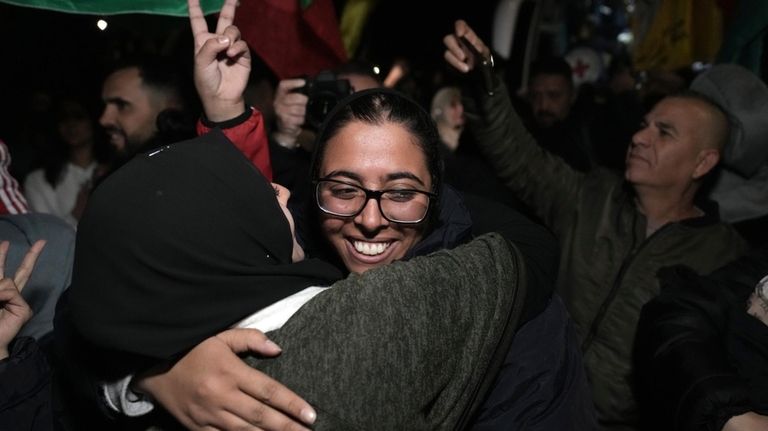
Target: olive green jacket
607 265
414 345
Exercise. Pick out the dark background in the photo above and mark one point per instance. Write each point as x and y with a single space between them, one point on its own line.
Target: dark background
53 53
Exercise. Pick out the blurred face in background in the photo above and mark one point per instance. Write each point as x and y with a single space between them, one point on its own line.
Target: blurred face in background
130 110
74 125
551 99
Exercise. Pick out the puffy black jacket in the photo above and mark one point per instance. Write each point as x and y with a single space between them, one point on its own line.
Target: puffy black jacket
699 357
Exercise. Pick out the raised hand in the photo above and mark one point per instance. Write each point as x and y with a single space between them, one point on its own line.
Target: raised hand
15 311
290 110
462 47
222 62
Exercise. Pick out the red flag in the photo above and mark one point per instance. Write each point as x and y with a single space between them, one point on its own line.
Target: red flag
291 39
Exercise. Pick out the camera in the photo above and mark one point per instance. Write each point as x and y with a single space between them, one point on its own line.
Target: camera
324 92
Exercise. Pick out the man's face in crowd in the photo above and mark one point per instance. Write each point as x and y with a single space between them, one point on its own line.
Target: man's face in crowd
669 148
551 99
130 110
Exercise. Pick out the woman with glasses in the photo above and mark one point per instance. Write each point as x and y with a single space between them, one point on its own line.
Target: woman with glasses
412 345
379 199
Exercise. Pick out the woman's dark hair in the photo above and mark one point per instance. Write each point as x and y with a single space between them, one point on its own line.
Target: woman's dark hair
374 106
378 106
57 155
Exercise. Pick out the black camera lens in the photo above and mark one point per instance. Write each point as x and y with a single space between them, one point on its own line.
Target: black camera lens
324 92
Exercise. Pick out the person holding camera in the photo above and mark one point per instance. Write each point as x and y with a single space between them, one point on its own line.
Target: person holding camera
300 106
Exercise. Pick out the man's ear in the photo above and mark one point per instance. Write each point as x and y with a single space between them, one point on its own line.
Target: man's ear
707 159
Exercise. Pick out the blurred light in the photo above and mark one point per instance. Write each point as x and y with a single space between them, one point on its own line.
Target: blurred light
395 74
699 66
101 24
605 10
625 37
376 70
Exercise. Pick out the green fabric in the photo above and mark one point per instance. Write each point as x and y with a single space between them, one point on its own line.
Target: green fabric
607 266
114 7
407 346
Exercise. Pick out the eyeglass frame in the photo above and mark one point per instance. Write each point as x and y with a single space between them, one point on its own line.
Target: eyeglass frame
371 194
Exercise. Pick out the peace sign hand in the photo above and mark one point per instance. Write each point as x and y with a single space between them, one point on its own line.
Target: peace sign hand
15 311
222 62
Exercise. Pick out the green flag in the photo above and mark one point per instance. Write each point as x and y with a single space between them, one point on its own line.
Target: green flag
113 7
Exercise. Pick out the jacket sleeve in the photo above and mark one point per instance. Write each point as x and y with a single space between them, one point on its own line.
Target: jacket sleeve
248 134
536 243
24 386
540 179
683 376
413 345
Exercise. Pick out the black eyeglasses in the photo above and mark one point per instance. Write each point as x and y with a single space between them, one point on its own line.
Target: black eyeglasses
348 200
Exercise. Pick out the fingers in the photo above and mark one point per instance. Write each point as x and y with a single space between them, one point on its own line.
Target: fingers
280 404
275 397
457 54
28 264
456 62
254 413
3 253
13 303
226 16
229 41
237 46
197 19
286 87
241 340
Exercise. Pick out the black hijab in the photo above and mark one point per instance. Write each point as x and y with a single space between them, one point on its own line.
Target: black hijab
179 244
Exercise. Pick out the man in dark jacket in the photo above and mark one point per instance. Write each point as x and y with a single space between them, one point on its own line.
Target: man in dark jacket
614 234
702 349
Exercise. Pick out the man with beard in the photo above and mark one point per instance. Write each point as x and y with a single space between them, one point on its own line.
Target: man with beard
552 95
149 104
144 107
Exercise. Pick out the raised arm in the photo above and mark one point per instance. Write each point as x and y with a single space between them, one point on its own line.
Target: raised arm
222 63
222 68
543 181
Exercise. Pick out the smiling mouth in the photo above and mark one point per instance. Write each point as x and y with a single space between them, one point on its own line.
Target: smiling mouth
371 248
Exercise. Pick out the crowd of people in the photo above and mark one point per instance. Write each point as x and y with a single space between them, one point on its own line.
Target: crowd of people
477 261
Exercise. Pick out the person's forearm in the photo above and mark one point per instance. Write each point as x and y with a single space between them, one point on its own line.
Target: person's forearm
538 178
247 132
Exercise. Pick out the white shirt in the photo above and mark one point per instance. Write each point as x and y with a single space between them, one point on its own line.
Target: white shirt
120 398
59 200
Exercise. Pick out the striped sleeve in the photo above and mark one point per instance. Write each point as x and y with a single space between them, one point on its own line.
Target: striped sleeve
12 201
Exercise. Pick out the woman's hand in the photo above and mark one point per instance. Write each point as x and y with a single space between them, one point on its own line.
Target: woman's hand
222 62
15 311
212 387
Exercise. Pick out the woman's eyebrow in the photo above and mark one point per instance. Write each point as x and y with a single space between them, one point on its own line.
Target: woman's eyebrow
346 174
404 175
393 176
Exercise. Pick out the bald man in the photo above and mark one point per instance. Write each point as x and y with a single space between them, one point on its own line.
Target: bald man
615 233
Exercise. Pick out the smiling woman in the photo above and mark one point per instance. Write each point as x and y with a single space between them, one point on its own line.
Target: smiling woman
380 146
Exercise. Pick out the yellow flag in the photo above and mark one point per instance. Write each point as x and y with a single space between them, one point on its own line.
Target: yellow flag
353 20
681 33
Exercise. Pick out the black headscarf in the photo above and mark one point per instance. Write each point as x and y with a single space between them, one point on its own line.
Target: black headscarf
177 245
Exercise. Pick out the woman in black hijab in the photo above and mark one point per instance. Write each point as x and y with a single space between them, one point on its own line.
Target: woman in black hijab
185 241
